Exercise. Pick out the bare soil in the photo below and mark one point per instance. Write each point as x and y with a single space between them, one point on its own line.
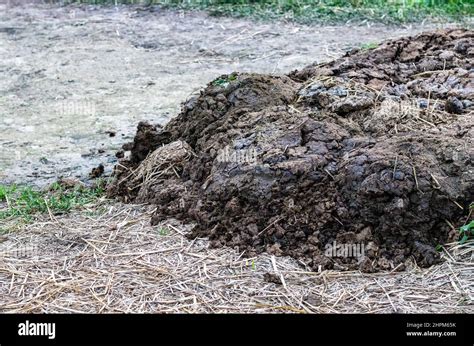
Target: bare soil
75 80
374 148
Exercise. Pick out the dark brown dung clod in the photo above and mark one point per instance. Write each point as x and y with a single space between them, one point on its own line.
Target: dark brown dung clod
351 164
97 171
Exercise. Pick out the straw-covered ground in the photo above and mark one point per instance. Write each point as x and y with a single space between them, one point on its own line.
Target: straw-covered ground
107 258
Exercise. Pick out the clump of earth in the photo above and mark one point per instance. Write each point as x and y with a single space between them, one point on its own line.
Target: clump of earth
374 149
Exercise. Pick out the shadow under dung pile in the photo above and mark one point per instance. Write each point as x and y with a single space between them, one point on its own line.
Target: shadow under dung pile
374 148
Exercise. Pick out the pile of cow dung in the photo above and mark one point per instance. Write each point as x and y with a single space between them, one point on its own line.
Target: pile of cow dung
375 149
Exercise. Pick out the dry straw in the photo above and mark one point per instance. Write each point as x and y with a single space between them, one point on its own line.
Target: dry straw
108 259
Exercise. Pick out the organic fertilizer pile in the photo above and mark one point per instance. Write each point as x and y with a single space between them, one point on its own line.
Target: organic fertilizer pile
373 149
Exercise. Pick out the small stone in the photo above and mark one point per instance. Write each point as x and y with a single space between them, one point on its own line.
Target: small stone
446 55
453 105
423 103
273 278
398 175
352 104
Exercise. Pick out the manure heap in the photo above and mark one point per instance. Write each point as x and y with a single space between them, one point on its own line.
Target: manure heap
373 149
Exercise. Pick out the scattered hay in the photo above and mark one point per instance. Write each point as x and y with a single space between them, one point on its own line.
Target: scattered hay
164 162
108 259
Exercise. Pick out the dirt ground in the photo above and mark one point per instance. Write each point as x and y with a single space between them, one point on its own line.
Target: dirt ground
72 77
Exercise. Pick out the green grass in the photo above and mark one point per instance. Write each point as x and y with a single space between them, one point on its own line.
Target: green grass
224 81
321 11
368 46
466 232
163 231
24 202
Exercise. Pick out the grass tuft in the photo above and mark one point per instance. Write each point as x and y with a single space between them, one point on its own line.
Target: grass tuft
466 232
369 46
25 201
224 80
